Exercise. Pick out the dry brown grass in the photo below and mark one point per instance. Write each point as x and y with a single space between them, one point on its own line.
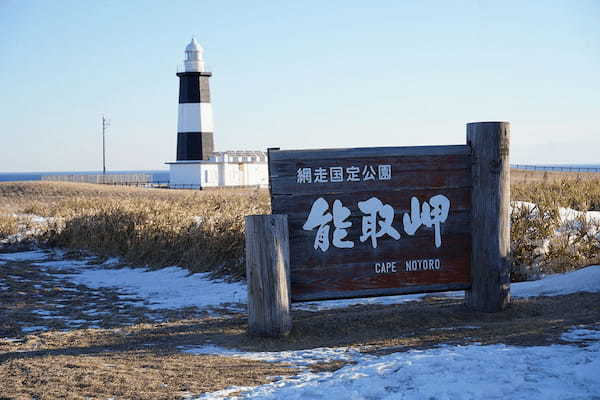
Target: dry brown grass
9 225
199 230
579 194
127 374
519 176
203 230
540 242
143 361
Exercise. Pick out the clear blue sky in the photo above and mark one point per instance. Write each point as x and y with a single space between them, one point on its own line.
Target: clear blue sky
307 74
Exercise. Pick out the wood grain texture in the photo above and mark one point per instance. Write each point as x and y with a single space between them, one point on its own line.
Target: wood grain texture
365 152
420 172
490 289
267 274
359 279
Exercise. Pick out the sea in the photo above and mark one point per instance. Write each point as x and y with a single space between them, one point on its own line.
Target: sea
157 175
163 175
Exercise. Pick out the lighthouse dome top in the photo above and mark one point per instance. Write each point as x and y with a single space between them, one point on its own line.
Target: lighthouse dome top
193 46
193 57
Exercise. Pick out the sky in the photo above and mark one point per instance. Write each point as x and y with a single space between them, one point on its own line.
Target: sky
293 75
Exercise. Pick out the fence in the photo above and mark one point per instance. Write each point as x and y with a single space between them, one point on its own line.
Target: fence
110 179
136 180
555 168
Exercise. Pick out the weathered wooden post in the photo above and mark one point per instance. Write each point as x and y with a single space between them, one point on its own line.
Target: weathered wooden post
268 275
490 289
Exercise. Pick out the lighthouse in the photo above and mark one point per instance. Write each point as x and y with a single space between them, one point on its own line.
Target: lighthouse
195 117
198 166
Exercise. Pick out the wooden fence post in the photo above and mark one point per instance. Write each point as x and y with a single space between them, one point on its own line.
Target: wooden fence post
268 275
490 290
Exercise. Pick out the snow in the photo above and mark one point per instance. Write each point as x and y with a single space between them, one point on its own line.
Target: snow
34 329
25 256
448 372
582 280
175 287
296 357
578 334
63 264
171 287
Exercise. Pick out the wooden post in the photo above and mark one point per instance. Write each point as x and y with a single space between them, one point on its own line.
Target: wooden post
268 275
490 280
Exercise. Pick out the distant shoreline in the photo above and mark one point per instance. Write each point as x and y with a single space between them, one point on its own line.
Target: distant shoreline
163 175
157 175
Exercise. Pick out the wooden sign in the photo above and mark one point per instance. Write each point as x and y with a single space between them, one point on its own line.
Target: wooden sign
374 221
382 221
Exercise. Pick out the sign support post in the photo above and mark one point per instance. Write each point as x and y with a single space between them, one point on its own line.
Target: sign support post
490 287
268 275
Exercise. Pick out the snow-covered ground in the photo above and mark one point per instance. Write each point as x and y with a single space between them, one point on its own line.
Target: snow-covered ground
447 372
175 287
475 371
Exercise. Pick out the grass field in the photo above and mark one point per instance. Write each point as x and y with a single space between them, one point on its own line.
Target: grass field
201 230
518 176
204 230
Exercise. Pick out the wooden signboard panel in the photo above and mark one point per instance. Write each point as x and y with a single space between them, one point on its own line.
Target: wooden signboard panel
375 221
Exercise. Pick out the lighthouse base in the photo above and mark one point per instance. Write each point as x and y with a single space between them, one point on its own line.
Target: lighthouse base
227 169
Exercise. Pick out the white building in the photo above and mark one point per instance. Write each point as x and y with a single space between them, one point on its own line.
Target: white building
198 165
229 168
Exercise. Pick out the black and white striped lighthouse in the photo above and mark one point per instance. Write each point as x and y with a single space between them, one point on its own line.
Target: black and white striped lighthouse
195 119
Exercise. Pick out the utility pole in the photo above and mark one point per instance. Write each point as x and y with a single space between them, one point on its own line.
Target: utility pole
105 124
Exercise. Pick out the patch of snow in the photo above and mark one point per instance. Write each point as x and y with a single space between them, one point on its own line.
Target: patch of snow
449 372
62 264
42 312
36 219
12 340
35 255
98 313
29 329
175 287
581 333
582 280
76 321
171 287
454 328
296 357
